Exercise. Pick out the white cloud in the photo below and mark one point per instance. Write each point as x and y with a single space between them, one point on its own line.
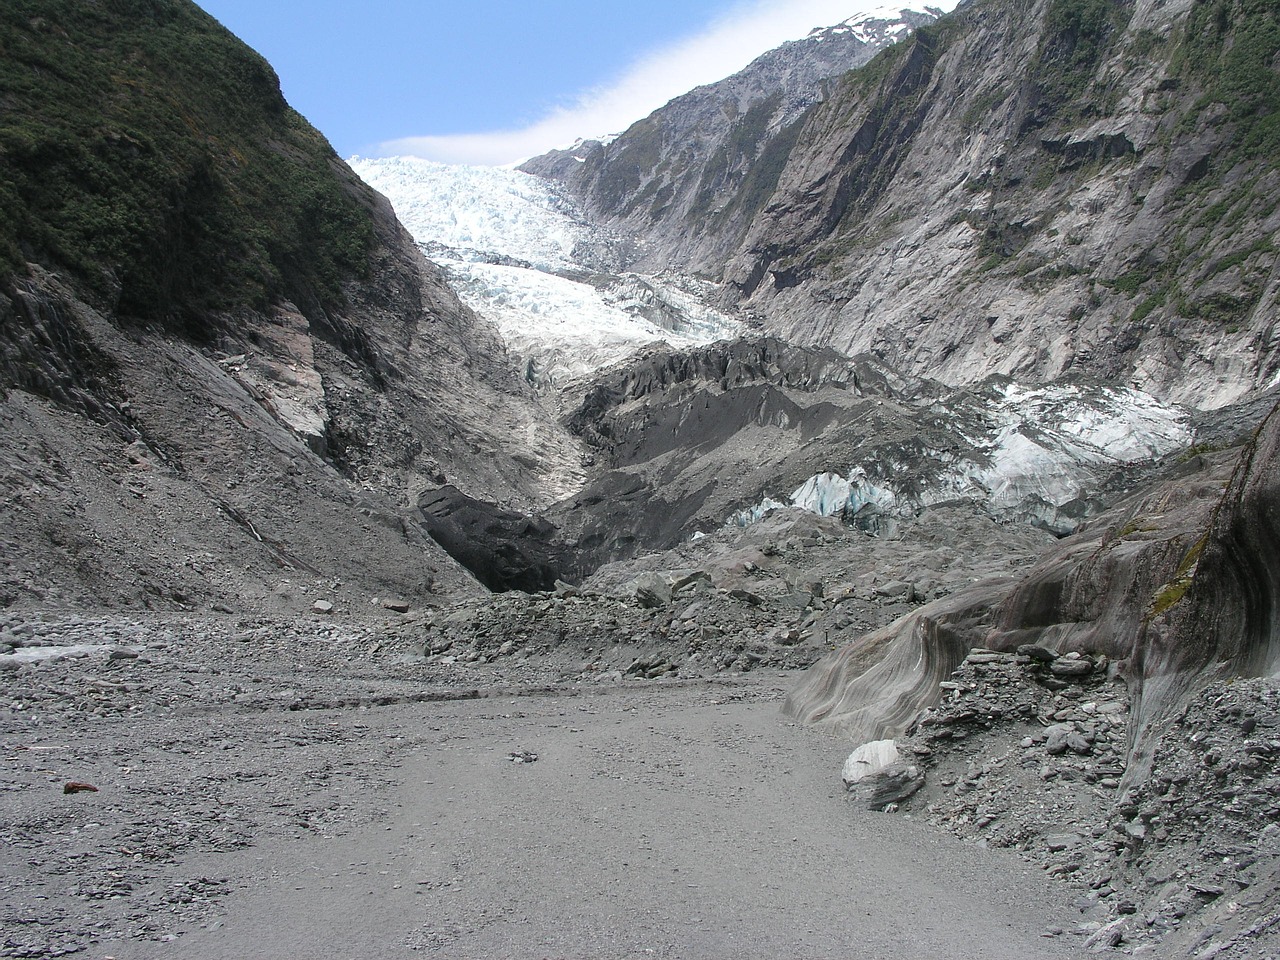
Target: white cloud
725 47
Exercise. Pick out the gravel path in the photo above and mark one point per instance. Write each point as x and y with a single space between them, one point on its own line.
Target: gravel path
660 819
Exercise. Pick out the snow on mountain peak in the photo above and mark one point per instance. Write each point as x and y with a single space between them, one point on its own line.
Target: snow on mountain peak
885 23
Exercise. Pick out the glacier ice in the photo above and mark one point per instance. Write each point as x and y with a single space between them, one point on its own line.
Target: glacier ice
1038 449
522 256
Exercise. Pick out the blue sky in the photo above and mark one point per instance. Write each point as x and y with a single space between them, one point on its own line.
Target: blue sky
492 81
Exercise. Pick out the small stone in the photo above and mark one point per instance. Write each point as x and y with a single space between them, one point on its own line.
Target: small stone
322 606
1037 653
1056 738
1077 743
1059 842
896 590
983 658
1071 668
684 579
1207 890
76 787
396 606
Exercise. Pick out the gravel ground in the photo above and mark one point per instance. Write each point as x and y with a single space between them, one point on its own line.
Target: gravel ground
294 788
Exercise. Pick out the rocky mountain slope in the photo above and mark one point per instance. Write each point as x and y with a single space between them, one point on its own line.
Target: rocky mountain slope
1026 188
225 369
691 163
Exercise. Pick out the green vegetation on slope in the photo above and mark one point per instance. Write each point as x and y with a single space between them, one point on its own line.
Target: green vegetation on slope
1231 47
1076 35
148 152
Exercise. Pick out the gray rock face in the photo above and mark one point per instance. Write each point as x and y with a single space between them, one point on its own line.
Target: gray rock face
980 201
676 179
1115 590
967 214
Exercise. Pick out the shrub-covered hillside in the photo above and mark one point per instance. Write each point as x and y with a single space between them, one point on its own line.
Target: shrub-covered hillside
149 153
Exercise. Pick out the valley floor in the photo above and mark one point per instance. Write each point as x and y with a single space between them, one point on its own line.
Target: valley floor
295 789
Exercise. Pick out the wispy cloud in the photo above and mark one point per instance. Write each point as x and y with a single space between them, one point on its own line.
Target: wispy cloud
726 46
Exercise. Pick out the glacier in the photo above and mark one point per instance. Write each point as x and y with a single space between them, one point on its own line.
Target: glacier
1024 454
522 256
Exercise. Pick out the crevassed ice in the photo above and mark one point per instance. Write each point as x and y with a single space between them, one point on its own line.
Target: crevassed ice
512 245
494 211
1043 447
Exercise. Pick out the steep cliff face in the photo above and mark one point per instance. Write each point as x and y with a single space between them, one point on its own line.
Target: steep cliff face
695 170
1037 187
217 346
1026 187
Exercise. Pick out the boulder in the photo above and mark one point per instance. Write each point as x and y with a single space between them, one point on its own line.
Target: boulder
651 590
1071 669
876 776
896 590
1037 653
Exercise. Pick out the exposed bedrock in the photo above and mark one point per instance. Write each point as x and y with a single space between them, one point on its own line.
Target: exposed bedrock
875 687
503 549
1175 587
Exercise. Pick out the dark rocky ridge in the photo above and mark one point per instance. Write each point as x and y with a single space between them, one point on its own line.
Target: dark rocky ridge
505 550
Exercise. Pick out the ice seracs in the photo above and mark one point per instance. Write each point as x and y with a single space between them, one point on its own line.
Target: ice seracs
521 255
1028 454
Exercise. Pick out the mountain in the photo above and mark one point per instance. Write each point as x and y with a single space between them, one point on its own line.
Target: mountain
225 369
693 163
989 444
1021 188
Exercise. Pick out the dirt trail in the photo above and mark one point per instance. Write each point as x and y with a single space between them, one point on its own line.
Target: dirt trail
678 822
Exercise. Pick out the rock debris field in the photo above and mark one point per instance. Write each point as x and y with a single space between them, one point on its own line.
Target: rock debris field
243 786
309 788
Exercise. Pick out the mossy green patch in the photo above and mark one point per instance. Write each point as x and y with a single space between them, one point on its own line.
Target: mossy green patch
1076 36
1230 49
149 152
1173 591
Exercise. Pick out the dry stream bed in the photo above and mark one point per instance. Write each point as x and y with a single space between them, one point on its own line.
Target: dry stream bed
402 814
